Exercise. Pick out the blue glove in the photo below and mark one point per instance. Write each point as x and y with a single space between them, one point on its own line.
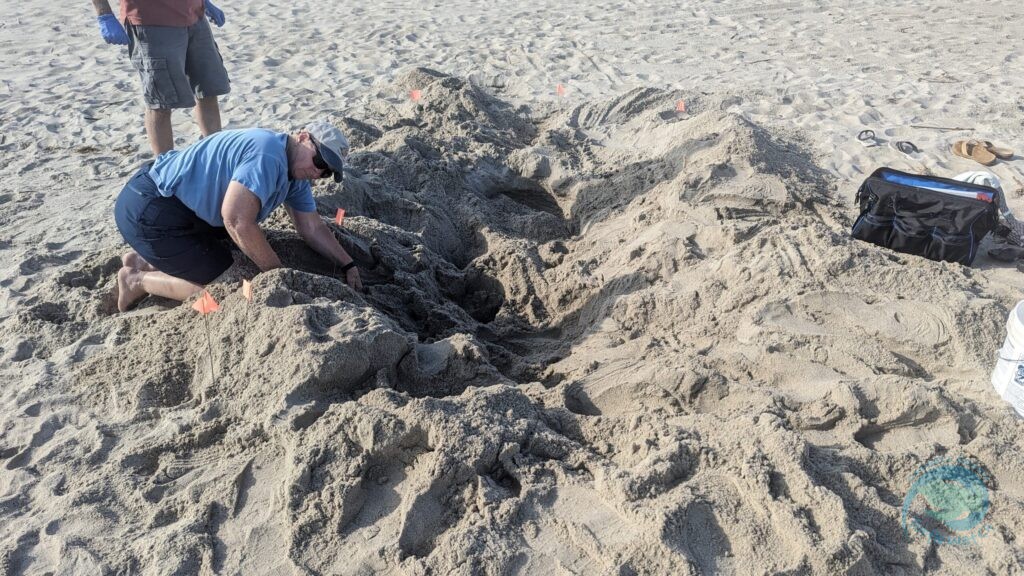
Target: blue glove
111 29
215 14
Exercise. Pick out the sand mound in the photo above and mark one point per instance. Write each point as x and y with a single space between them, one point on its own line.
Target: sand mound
605 339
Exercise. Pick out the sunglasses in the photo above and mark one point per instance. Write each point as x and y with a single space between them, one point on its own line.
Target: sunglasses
319 162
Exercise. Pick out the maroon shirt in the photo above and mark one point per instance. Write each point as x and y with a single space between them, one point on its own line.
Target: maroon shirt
162 12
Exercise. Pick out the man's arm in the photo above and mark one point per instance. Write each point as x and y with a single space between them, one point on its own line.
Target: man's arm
239 211
320 238
102 7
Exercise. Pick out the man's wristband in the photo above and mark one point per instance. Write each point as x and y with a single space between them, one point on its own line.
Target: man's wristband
348 267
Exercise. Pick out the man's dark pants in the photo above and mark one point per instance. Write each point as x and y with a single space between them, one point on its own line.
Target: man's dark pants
168 234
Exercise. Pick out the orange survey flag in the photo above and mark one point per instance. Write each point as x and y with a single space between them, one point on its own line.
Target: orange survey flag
415 95
339 218
560 90
680 106
247 290
205 304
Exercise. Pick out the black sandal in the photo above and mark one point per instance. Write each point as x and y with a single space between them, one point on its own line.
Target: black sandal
905 146
867 138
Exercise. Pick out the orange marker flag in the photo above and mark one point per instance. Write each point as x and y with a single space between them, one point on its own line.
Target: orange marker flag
415 95
560 90
680 106
339 218
247 290
205 304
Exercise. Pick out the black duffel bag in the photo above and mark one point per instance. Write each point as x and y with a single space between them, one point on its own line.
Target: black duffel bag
938 218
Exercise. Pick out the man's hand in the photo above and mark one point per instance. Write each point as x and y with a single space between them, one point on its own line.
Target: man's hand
111 29
352 279
320 238
215 14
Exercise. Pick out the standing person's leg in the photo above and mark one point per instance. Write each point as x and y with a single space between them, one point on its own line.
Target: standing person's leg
159 131
206 75
158 53
208 115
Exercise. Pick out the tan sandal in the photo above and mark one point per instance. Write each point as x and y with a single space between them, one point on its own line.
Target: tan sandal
999 151
974 150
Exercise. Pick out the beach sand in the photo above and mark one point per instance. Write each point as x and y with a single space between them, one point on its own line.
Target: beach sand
614 320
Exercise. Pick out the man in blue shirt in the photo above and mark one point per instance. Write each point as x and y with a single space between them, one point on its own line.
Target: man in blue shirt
176 211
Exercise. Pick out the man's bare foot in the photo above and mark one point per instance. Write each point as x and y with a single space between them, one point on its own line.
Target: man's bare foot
133 260
129 288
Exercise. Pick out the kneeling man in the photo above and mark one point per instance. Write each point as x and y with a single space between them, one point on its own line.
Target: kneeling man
177 212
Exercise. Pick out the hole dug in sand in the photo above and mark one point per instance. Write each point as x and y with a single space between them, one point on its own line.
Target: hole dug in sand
483 297
590 338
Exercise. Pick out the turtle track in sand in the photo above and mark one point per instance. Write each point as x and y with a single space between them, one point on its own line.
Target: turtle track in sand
607 338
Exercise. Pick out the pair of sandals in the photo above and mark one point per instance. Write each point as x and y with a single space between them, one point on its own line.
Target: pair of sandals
868 139
981 151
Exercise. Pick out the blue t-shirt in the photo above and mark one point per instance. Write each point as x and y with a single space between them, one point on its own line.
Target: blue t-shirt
256 158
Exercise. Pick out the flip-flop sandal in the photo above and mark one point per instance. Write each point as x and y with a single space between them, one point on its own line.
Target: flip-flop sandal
999 151
867 138
1006 253
904 146
974 150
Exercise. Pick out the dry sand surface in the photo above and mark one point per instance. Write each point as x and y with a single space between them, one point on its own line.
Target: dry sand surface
599 336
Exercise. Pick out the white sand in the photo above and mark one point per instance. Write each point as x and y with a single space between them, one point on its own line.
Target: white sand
599 337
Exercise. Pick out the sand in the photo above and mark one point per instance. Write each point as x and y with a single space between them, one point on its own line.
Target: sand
600 335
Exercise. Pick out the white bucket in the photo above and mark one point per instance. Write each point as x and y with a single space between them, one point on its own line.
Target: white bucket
1008 375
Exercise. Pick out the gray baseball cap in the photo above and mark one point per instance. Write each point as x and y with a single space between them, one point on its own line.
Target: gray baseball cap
331 143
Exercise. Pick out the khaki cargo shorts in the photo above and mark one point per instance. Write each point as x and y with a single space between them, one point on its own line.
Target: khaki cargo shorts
177 64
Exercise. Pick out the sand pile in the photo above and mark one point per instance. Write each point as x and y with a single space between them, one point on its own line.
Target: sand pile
610 339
